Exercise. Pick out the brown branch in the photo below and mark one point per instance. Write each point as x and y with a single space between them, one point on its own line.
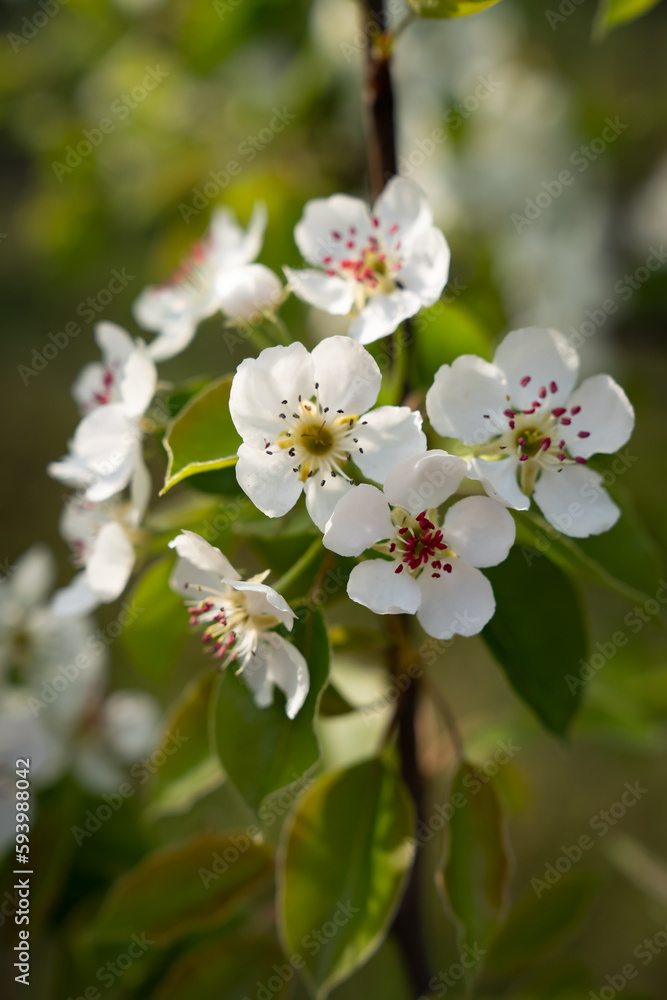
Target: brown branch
379 96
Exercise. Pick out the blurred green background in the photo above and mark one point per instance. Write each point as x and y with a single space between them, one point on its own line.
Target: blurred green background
522 97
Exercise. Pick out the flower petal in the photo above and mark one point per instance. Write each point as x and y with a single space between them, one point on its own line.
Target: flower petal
141 488
575 501
137 382
347 374
264 600
404 204
77 598
32 576
328 292
606 416
387 435
326 222
456 603
130 720
479 530
467 399
382 314
499 479
110 563
542 355
423 481
376 584
172 339
204 556
88 385
261 384
231 245
359 520
246 293
268 480
321 500
114 342
288 670
426 270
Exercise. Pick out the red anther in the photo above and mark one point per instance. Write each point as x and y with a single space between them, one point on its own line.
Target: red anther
509 413
327 259
402 531
521 441
545 444
542 391
375 221
392 546
553 387
399 568
575 410
584 434
512 425
566 421
524 381
393 229
523 458
336 235
580 460
561 457
559 411
447 568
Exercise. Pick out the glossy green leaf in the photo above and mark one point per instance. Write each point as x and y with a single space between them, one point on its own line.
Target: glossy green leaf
194 770
538 635
202 437
346 854
183 889
539 924
612 13
230 969
477 866
442 333
261 749
153 639
450 8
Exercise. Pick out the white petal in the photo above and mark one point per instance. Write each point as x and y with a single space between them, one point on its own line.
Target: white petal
173 338
256 676
193 583
376 584
231 245
141 487
246 293
479 530
348 376
286 668
33 575
423 481
77 598
359 520
606 414
87 385
326 218
499 479
321 500
404 204
264 600
260 385
179 303
575 501
545 356
382 314
137 382
200 553
268 480
115 343
110 563
456 603
426 270
461 394
328 292
387 436
130 723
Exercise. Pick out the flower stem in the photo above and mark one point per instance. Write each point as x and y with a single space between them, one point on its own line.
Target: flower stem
379 95
300 566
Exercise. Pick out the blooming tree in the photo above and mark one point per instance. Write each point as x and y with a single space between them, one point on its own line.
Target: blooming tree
415 483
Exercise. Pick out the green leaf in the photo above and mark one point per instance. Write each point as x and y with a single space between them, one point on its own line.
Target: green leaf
611 13
230 969
201 437
537 635
261 749
477 866
538 924
183 889
623 560
154 638
346 854
450 8
442 333
194 770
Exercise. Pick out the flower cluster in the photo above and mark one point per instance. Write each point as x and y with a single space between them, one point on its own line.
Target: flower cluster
421 523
